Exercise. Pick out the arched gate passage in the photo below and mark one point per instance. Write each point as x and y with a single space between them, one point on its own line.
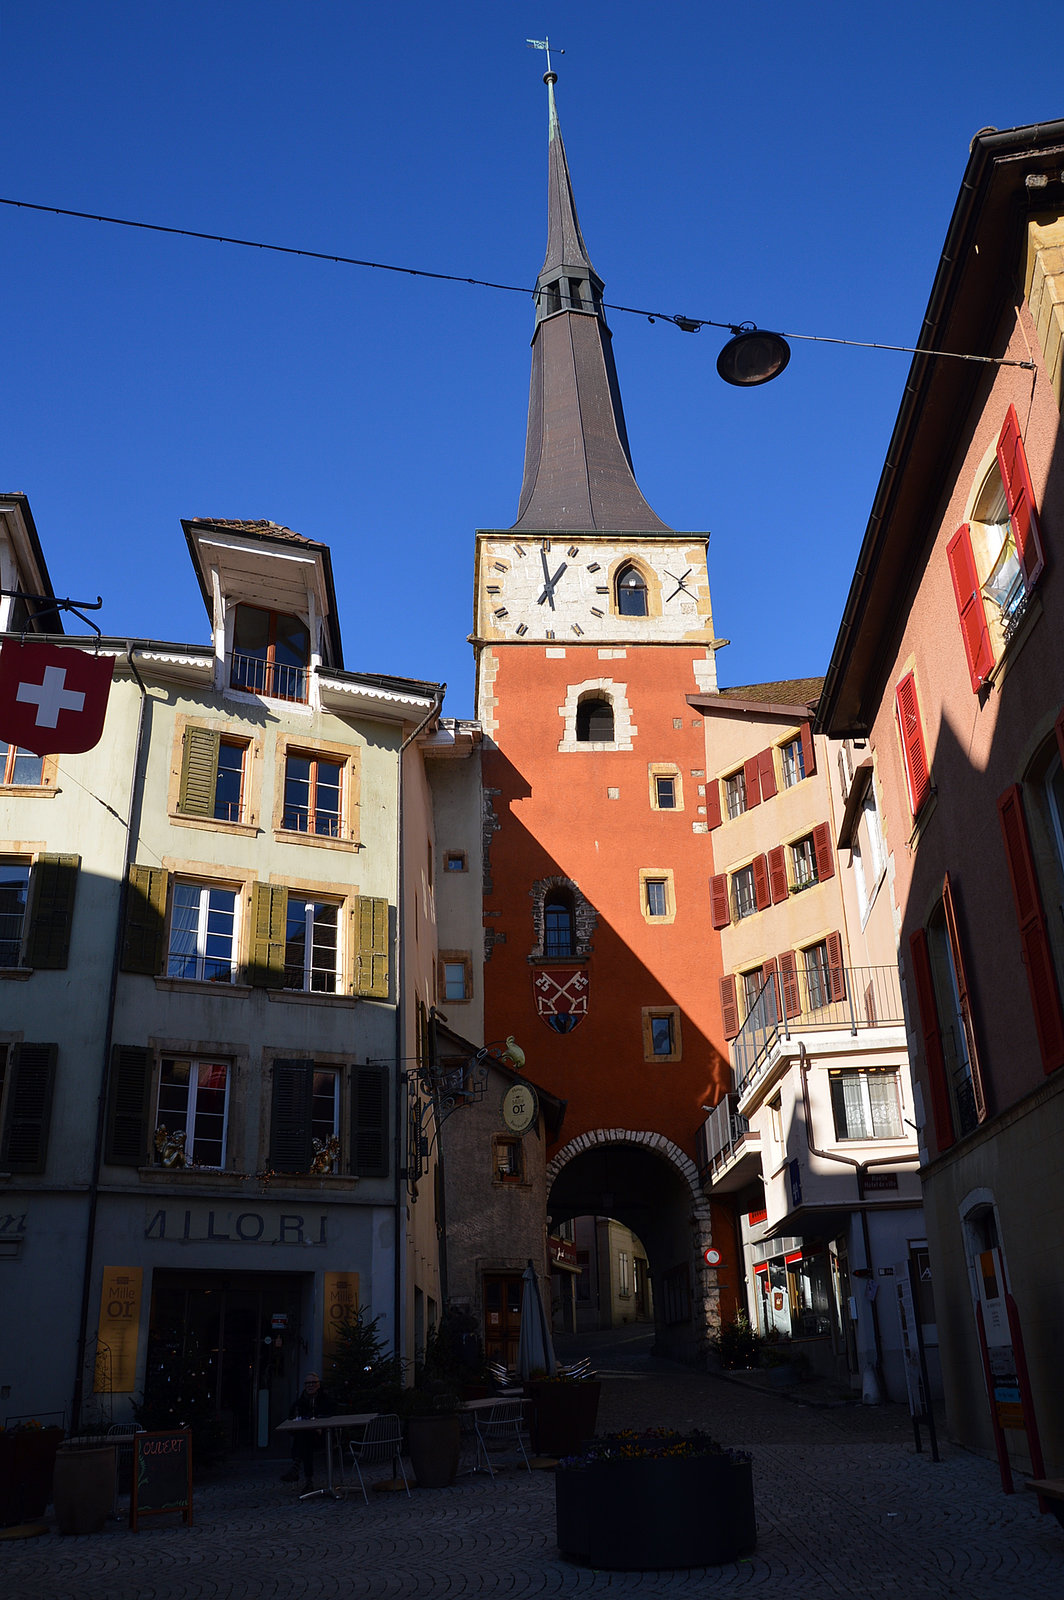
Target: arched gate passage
650 1185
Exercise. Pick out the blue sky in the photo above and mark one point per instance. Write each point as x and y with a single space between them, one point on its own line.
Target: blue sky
795 166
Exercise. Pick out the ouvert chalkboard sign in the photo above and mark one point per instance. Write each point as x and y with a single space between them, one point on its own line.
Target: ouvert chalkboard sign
162 1475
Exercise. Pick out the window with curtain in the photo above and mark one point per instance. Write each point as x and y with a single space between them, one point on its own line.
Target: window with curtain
866 1104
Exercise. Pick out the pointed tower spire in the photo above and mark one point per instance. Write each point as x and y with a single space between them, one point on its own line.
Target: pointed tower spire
578 468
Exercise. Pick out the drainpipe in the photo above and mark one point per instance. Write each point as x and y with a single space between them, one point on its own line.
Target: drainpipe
871 1378
108 1034
400 1030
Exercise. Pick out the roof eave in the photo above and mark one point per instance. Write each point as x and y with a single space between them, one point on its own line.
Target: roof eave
968 296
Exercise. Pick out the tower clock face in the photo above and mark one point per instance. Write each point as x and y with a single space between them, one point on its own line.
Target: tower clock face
561 588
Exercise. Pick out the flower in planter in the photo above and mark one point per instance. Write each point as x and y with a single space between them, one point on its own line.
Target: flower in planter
653 1444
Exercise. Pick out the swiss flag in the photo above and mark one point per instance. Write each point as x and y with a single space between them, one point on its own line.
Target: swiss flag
52 700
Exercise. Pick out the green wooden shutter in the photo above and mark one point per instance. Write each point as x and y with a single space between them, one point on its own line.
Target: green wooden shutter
128 1106
371 947
293 1086
269 919
142 944
199 772
55 882
29 1108
369 1122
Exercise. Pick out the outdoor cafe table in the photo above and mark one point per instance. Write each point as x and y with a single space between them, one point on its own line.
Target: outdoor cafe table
328 1426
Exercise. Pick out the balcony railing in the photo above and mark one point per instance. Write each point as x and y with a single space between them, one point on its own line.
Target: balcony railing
720 1136
273 679
804 1001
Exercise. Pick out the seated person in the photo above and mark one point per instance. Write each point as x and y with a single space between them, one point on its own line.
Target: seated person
311 1402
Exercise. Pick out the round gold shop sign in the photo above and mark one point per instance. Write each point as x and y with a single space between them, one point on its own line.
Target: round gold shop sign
520 1107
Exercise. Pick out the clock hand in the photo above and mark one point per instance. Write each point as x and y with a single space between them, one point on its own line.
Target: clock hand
681 584
548 587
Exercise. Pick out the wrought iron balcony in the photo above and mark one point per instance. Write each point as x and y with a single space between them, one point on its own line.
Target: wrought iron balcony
815 998
724 1137
274 679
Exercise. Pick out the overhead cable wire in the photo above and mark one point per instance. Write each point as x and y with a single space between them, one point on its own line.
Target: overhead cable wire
685 323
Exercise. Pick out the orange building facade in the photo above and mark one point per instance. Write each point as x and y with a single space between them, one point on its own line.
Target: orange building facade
593 623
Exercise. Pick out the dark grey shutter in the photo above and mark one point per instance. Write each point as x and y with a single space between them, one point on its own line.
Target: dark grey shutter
24 1147
55 880
293 1086
143 937
369 1122
128 1106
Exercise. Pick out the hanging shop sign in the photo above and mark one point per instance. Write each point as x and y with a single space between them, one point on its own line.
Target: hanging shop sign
119 1328
52 700
520 1108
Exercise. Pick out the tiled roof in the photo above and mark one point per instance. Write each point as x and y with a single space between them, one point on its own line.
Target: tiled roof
788 691
261 526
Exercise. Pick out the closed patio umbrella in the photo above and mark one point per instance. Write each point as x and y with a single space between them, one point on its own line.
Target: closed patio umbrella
535 1349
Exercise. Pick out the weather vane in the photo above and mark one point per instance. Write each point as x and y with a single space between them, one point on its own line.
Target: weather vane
544 44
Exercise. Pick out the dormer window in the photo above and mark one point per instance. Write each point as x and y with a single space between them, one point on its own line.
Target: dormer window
271 653
631 592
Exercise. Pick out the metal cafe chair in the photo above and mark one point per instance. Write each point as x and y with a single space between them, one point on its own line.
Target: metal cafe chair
382 1441
500 1428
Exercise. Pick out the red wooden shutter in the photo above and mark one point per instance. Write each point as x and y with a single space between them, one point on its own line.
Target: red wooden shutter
770 975
934 1058
1012 459
808 749
1034 939
713 803
825 860
753 783
762 898
836 970
777 874
729 1007
767 774
963 999
720 911
911 731
792 1000
978 650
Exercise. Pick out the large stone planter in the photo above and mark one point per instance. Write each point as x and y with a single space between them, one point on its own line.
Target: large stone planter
629 1516
434 1446
26 1459
84 1487
563 1415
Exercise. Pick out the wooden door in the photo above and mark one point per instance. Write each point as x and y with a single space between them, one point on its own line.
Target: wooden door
502 1316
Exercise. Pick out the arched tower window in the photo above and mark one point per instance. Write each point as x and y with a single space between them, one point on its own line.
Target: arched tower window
558 925
594 722
631 592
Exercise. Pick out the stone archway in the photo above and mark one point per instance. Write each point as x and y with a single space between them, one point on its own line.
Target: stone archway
650 1184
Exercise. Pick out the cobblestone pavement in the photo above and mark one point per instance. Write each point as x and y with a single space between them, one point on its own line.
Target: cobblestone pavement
845 1508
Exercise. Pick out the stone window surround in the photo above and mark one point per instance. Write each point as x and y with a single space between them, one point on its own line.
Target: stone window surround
660 875
253 769
348 756
454 958
624 730
585 918
665 769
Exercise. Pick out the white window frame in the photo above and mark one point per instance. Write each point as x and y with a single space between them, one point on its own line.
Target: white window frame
194 1064
202 931
792 762
745 904
311 906
735 794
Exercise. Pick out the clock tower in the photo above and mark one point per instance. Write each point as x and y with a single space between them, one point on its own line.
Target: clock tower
592 625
